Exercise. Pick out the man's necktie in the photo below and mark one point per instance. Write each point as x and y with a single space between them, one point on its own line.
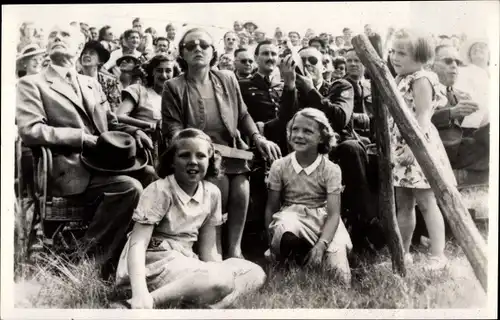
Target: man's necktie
72 82
451 96
267 80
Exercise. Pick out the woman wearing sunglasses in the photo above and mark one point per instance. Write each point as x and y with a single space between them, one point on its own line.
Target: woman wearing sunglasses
231 42
211 100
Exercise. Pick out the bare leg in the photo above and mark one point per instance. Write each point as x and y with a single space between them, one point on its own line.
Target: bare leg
223 185
249 277
434 221
239 197
201 287
405 202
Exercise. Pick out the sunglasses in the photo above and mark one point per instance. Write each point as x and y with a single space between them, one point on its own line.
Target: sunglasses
230 39
245 61
312 60
191 45
449 61
325 62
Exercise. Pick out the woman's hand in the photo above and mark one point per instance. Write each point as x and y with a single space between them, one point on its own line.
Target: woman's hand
315 255
405 156
269 150
142 301
142 140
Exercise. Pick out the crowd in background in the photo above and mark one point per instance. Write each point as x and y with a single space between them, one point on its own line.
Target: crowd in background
248 95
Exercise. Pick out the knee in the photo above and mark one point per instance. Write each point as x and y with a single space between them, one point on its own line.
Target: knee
132 185
221 283
350 147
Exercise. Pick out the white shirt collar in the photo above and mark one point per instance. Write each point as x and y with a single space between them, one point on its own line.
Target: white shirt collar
184 197
62 71
298 168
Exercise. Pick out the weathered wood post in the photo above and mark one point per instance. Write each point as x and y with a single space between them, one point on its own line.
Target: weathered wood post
386 205
447 195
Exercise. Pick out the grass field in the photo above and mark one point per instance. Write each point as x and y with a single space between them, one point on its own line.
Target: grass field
51 283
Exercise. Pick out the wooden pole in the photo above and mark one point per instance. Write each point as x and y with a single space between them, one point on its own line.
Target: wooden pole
447 195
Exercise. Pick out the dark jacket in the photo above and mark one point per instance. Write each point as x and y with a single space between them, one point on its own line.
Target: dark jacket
177 113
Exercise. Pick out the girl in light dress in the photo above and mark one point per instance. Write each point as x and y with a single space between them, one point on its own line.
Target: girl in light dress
303 207
158 262
421 92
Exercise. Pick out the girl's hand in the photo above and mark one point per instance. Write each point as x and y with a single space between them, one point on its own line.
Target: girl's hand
315 256
405 156
142 301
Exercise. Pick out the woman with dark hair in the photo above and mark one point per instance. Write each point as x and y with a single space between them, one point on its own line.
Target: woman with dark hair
93 56
141 102
211 100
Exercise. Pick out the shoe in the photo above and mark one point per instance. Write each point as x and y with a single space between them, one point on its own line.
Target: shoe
436 263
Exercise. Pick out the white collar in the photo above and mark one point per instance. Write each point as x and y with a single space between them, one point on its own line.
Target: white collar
62 71
298 168
185 198
319 84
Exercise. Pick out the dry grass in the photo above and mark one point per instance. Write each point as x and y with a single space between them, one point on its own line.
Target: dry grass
55 283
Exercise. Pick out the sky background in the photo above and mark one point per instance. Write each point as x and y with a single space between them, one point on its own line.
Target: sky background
445 17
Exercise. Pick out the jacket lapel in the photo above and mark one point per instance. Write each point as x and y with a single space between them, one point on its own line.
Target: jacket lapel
220 95
59 85
87 94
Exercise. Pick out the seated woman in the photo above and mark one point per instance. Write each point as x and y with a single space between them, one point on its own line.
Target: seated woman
30 60
173 213
211 100
93 57
307 226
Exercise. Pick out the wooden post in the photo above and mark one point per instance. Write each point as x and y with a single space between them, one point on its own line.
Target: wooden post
447 195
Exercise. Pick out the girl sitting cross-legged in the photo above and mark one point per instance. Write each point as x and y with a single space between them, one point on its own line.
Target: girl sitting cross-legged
306 226
173 214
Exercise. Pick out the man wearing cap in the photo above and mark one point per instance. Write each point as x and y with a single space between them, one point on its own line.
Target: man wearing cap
69 113
132 39
467 146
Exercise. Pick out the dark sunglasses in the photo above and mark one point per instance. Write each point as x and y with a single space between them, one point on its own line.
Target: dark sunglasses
326 61
450 61
231 39
312 60
191 45
245 61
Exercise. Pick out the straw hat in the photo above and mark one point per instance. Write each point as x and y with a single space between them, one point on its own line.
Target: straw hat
30 50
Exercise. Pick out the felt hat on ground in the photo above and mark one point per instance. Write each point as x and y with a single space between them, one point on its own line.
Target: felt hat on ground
114 152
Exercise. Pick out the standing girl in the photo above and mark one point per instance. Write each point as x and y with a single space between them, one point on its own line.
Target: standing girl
307 228
173 213
420 90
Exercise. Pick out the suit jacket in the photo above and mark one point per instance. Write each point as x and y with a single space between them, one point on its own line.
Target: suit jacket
49 113
178 113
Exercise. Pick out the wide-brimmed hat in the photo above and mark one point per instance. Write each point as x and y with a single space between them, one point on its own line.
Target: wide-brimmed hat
114 152
99 48
29 51
135 60
250 23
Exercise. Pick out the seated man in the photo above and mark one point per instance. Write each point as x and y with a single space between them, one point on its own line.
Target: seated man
358 203
67 112
467 145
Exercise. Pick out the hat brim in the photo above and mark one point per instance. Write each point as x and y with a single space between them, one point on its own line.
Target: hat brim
120 60
30 54
140 163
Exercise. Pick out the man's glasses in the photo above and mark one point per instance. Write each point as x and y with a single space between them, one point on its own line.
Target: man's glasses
449 61
245 61
312 60
191 45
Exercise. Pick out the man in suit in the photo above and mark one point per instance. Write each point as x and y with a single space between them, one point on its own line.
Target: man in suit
66 112
467 148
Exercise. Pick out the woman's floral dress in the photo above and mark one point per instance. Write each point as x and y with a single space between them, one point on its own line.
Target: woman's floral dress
411 175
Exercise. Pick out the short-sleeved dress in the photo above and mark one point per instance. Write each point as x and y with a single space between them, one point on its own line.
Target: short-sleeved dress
411 175
177 218
147 101
304 193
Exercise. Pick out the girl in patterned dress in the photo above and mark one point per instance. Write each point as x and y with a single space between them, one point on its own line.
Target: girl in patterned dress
303 207
421 92
158 262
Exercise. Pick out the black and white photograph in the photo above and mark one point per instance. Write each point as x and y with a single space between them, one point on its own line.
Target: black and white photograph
250 160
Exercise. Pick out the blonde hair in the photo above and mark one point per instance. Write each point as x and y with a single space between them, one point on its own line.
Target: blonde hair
421 46
328 136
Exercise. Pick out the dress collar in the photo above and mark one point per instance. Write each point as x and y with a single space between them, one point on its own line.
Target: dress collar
298 168
183 196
